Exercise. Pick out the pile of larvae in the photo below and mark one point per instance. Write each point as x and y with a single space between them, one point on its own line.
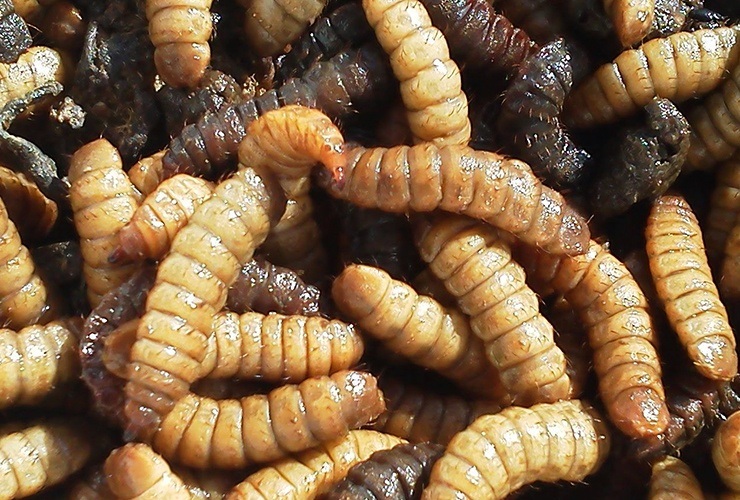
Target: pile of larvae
376 249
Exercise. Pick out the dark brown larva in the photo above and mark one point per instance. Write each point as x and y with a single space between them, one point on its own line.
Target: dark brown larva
396 474
540 19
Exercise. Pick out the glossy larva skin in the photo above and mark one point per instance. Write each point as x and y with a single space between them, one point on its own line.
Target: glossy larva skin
679 67
614 310
672 479
313 472
683 280
495 189
724 210
419 416
632 19
36 67
270 25
147 173
498 454
726 452
431 86
179 31
540 19
135 471
475 263
417 327
35 213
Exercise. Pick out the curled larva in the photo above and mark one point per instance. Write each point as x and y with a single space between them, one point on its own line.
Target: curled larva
431 85
270 25
672 479
103 201
160 216
16 37
678 67
396 474
135 471
420 415
475 263
41 455
37 360
34 213
726 452
686 289
724 210
613 308
36 67
500 453
313 472
417 327
179 32
231 433
632 19
498 190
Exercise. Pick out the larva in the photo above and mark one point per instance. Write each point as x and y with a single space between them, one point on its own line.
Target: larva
149 233
103 201
482 42
135 471
34 68
632 19
179 32
529 119
347 83
35 213
41 455
724 210
396 474
313 472
419 415
205 258
540 19
147 173
264 287
613 308
36 361
572 339
279 348
431 85
500 191
24 297
416 327
232 433
672 479
476 266
726 452
686 289
344 25
716 125
678 67
731 267
499 454
16 37
641 162
270 25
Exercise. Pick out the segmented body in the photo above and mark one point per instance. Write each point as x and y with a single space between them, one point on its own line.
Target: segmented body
500 191
270 25
179 32
530 122
476 266
729 285
135 471
673 479
16 37
37 360
632 19
147 173
613 308
685 286
678 67
103 201
35 213
36 67
419 416
726 452
417 327
571 337
499 454
396 474
724 210
313 472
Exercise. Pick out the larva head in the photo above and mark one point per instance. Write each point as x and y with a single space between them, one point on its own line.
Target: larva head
95 155
639 412
362 400
133 469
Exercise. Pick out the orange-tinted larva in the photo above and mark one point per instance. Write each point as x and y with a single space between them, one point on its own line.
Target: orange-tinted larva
499 454
724 210
730 281
726 452
431 85
313 472
103 201
686 289
632 19
35 67
37 360
672 479
498 190
417 327
147 173
135 471
614 310
679 67
34 213
179 31
475 263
